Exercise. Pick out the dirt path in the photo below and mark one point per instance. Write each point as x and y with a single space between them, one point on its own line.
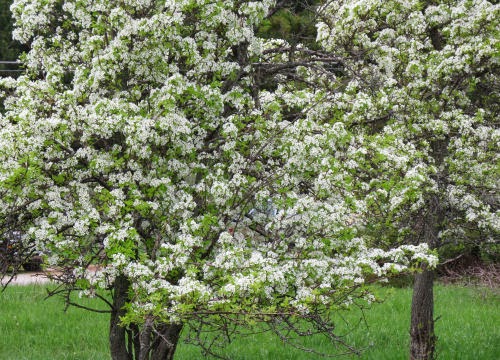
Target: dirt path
27 278
37 277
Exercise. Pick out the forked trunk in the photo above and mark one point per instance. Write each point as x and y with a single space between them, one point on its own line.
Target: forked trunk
151 341
158 342
423 339
165 342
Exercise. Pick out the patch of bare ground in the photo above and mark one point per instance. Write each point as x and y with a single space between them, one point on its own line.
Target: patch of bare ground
470 271
25 278
40 277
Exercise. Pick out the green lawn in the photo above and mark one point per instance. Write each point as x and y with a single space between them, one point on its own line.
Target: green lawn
468 328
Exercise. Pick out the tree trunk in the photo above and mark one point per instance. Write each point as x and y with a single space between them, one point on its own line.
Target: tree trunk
423 340
149 342
166 342
118 334
427 228
158 342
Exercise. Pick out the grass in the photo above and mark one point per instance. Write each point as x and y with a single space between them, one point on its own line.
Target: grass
468 328
32 328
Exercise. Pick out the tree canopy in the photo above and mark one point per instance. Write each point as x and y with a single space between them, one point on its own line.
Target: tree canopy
423 97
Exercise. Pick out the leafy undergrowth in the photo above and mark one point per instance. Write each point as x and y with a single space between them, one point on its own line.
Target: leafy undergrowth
467 328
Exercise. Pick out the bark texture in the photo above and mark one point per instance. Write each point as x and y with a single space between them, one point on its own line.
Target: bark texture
118 334
150 341
165 342
428 225
423 339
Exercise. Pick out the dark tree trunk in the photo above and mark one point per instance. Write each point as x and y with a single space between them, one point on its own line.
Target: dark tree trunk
118 334
423 340
166 342
427 227
151 341
158 342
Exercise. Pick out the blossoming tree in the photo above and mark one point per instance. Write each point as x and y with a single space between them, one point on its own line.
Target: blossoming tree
419 94
191 163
